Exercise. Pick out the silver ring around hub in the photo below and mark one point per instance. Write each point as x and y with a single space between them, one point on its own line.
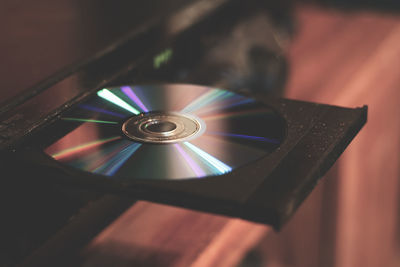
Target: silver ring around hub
163 127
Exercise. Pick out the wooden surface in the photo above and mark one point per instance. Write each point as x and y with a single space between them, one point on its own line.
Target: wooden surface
348 59
158 235
351 219
357 62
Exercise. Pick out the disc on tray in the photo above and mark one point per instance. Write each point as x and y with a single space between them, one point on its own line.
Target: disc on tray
174 131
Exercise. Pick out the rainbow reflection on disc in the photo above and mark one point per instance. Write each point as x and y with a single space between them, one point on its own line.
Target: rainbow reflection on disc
172 131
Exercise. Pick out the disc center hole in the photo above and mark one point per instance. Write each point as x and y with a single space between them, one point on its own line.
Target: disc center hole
157 126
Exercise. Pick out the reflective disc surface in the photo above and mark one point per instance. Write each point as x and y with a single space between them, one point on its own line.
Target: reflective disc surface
175 131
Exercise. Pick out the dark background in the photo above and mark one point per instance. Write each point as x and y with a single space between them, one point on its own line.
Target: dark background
43 37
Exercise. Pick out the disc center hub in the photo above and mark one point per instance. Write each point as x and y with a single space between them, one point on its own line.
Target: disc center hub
163 127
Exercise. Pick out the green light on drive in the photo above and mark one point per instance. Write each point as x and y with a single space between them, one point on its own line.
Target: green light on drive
162 58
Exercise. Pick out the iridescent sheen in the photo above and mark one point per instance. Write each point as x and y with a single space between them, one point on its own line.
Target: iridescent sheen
109 96
238 131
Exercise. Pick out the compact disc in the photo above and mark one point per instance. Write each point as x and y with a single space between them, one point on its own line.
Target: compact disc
172 131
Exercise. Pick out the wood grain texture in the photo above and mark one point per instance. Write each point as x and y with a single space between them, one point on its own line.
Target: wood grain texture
159 235
349 59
